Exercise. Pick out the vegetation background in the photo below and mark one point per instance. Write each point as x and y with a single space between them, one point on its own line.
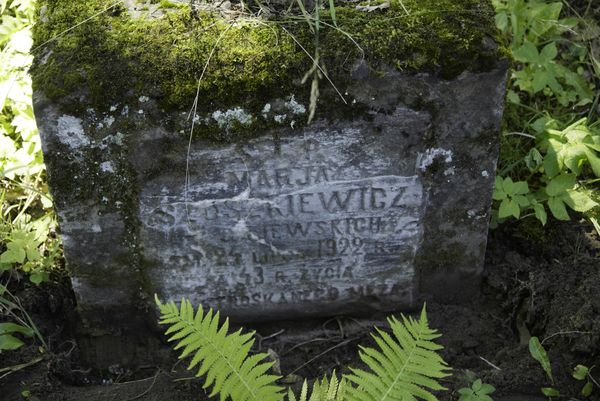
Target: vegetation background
549 168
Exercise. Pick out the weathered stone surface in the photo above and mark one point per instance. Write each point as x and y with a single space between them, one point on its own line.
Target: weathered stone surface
376 205
334 217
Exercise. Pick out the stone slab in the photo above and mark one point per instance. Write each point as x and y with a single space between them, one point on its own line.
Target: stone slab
375 211
316 220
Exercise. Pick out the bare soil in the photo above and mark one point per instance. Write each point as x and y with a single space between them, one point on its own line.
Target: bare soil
537 283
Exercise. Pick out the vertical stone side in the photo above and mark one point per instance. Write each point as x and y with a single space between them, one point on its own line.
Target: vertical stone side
94 187
456 159
468 122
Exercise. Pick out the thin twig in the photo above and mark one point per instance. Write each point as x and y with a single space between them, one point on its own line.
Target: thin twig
314 340
323 353
12 369
564 333
193 111
489 363
592 377
261 338
317 64
147 390
520 134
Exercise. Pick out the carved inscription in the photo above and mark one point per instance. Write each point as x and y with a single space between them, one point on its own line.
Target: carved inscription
287 233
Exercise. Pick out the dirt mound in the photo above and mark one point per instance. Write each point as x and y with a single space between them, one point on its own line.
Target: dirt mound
537 283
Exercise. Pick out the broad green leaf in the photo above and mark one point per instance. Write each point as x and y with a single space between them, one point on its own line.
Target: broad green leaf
540 80
509 186
498 184
540 213
534 160
594 162
498 195
527 53
513 97
551 80
521 200
508 208
580 372
540 124
579 201
38 277
33 254
8 342
550 392
502 20
574 156
549 52
8 328
586 391
558 209
537 351
577 135
13 255
560 184
551 164
465 391
487 389
520 188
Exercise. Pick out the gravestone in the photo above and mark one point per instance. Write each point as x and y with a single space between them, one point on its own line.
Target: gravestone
381 202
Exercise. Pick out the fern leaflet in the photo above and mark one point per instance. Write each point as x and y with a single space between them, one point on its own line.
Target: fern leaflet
223 358
322 391
405 368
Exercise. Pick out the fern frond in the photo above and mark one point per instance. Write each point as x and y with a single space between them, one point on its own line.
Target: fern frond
323 390
406 366
222 358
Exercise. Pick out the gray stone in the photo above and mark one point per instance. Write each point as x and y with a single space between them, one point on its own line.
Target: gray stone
350 216
370 209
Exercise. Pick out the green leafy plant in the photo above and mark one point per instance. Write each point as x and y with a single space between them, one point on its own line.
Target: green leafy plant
559 165
479 391
27 221
583 373
541 72
529 25
530 20
222 357
21 326
405 366
580 372
538 352
8 340
511 195
572 148
546 164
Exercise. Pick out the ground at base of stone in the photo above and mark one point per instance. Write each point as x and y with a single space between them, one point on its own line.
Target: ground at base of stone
537 283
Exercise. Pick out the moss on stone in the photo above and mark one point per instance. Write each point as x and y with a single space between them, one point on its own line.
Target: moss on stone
113 57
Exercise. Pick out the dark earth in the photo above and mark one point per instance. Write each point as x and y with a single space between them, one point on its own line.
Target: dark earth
538 282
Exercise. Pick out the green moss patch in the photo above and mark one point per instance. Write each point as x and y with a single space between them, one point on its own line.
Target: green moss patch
245 62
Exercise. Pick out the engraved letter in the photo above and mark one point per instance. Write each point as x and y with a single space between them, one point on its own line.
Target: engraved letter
335 196
374 204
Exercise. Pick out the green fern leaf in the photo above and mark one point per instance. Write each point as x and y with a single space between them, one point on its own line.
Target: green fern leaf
406 366
222 358
323 390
